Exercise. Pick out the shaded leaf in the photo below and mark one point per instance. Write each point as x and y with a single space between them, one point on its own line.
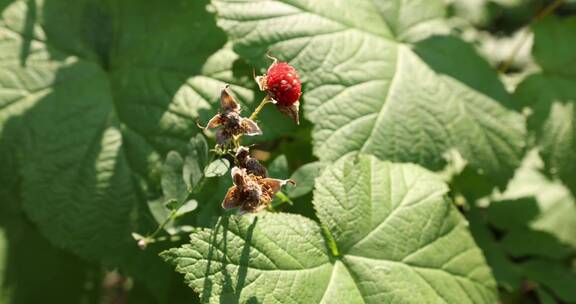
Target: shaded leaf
75 115
555 210
524 210
551 96
558 278
278 168
507 274
187 207
217 168
173 185
195 161
526 242
96 97
304 178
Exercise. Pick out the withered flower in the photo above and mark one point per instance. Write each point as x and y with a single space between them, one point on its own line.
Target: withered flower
251 193
251 164
230 122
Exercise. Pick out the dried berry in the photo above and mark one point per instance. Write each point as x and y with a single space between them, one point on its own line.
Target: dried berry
251 164
251 193
283 85
230 121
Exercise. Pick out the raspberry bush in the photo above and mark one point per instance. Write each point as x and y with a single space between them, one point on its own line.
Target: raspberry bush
287 151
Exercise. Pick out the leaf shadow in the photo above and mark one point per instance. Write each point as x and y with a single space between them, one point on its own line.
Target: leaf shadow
28 31
232 284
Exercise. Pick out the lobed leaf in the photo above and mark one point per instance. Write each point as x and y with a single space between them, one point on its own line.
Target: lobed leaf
390 229
377 82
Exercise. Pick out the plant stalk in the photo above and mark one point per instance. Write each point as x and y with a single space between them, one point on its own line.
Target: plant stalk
253 116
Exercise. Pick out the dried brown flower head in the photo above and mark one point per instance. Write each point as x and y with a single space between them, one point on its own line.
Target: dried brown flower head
230 121
251 193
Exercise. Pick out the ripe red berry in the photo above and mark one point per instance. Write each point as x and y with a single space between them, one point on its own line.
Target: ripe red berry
283 83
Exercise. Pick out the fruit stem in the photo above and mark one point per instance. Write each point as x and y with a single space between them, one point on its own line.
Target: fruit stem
283 198
264 102
174 212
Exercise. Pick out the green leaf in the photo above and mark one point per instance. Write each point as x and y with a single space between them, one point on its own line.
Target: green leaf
217 168
94 99
390 225
558 278
173 185
187 207
545 297
32 270
195 161
551 96
554 42
524 209
527 242
374 85
92 104
304 178
507 274
555 210
278 168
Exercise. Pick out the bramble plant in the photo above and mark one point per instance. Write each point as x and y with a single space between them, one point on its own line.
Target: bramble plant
414 151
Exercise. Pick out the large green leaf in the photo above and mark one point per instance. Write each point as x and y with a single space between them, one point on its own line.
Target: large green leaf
91 111
374 84
387 230
92 95
552 97
32 270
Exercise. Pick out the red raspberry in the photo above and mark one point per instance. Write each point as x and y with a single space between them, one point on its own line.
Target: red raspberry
283 83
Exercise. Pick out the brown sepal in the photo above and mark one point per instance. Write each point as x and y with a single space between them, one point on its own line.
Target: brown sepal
215 121
249 127
291 111
227 102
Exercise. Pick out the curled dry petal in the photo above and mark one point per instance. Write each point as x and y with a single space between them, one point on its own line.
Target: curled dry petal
230 121
274 185
249 127
238 176
215 121
262 82
227 102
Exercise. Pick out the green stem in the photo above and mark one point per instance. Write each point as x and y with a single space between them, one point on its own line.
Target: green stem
173 214
253 116
170 218
259 108
525 34
283 199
